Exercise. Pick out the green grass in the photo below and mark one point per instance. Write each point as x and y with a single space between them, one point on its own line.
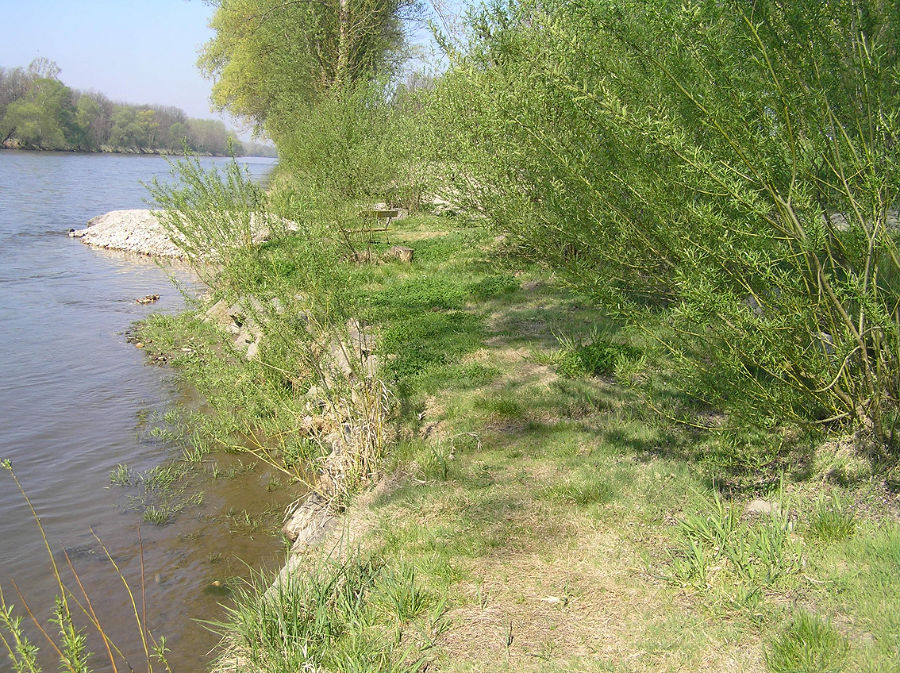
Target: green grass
500 406
831 520
580 493
732 561
809 644
859 579
562 502
422 343
344 614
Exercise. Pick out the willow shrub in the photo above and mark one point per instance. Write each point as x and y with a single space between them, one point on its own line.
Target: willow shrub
731 164
352 144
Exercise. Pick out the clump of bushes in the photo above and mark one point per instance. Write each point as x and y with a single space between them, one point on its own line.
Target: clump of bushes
714 166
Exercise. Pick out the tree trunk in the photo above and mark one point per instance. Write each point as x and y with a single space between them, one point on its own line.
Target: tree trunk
343 57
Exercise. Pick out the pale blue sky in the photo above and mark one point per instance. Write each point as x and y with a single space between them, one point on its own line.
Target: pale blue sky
135 51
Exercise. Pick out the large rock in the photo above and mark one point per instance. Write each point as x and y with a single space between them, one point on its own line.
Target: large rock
308 522
402 253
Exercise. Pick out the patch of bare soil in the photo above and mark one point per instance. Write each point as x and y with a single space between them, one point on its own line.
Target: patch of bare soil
432 418
583 599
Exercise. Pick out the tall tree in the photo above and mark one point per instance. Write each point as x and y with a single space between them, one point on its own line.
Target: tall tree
271 56
45 116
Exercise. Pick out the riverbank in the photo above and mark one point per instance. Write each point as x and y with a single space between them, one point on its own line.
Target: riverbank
530 510
78 402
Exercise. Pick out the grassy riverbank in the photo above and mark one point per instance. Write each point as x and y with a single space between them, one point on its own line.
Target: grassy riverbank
534 508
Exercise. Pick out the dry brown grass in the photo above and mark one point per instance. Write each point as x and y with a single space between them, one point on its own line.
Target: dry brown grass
583 601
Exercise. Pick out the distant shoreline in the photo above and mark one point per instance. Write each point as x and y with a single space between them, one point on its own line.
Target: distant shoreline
133 152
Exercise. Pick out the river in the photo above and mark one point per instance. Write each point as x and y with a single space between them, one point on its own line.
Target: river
76 400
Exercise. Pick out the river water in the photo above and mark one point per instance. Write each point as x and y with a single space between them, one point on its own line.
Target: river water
76 400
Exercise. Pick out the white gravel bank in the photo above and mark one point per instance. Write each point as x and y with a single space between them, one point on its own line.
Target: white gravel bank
129 230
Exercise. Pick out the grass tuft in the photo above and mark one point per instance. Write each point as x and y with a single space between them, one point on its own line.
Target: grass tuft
730 560
810 644
121 475
331 617
599 357
831 520
580 492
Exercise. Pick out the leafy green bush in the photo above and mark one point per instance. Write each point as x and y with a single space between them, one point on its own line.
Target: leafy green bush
296 291
210 213
715 161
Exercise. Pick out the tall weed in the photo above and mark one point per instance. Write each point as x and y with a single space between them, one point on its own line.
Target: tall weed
66 639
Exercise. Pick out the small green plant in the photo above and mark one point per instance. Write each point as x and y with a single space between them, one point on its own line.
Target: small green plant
598 357
163 476
160 514
437 463
251 523
725 557
121 475
22 652
401 594
810 644
160 492
831 520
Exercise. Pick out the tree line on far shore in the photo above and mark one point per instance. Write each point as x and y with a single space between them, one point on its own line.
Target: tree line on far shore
39 112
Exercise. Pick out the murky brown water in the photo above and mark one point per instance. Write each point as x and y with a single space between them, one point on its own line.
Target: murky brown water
76 400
